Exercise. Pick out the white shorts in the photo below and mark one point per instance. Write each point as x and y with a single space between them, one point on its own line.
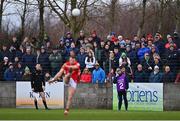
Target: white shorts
72 83
36 95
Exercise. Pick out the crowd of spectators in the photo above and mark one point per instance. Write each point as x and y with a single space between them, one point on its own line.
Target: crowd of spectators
150 58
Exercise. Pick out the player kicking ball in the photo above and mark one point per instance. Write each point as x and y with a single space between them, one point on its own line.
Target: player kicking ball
71 71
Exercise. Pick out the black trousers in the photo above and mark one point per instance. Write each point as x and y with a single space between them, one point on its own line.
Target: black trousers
122 94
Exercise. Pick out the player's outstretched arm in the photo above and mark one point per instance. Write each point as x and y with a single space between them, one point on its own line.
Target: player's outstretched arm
59 74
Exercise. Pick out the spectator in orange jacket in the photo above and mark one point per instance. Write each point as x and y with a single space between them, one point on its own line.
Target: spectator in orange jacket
86 76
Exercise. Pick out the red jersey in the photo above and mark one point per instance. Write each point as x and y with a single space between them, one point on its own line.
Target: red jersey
75 73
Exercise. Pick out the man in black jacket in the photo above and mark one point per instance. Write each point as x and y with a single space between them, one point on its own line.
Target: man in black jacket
38 85
168 76
139 75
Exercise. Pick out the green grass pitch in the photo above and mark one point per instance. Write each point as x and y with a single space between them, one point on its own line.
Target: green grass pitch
84 114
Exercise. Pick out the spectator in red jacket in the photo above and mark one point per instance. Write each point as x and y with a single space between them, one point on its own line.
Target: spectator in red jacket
86 76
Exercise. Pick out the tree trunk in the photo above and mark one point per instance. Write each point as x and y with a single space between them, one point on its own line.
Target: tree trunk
73 20
41 21
143 19
1 13
112 14
23 17
161 15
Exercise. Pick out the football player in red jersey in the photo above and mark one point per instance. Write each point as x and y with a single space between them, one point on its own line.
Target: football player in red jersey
71 69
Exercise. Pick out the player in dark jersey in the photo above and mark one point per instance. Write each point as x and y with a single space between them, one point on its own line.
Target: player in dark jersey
71 69
122 82
38 85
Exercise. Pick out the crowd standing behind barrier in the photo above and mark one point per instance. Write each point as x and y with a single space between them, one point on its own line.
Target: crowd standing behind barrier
146 59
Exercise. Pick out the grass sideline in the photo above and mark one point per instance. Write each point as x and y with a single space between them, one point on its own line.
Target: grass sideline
84 114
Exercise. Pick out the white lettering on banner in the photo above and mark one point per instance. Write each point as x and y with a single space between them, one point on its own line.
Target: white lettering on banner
54 95
142 96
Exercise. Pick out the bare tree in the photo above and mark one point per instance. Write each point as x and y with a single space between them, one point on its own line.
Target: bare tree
64 13
41 19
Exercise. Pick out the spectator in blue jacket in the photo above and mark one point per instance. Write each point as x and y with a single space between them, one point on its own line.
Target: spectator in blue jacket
9 74
81 58
44 60
28 59
98 75
142 51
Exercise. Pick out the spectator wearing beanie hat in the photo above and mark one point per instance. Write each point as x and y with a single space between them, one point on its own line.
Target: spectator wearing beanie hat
170 41
3 66
9 74
156 76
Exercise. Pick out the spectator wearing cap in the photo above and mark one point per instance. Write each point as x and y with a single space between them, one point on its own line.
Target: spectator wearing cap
86 76
28 59
168 76
98 75
156 76
19 71
90 61
56 61
3 66
139 75
147 66
159 44
68 39
9 74
95 37
81 58
176 39
44 60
